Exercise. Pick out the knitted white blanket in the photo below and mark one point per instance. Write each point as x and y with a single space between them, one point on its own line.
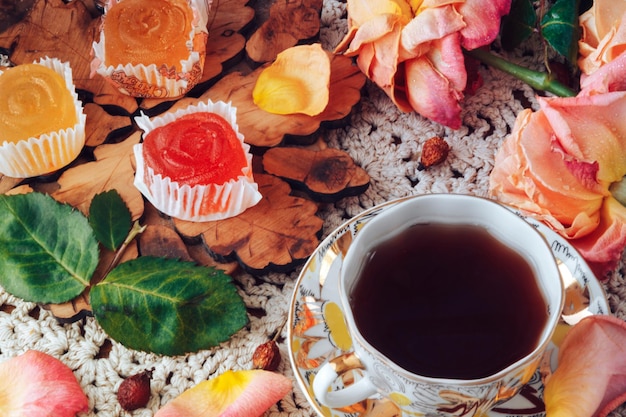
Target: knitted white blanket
385 142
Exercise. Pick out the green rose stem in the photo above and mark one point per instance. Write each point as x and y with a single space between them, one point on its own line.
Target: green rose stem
134 231
537 80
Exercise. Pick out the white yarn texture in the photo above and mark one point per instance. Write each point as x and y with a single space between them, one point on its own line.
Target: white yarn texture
382 140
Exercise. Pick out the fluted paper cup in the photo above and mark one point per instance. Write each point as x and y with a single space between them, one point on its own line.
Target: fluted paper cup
154 80
200 203
51 151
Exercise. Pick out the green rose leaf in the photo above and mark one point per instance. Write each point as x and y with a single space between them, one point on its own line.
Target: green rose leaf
519 24
110 219
48 252
167 306
559 27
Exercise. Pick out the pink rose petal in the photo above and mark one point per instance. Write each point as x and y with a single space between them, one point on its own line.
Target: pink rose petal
246 393
482 20
590 379
36 384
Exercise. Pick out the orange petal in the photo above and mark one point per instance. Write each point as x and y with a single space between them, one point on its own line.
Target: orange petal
377 44
590 379
592 128
603 34
296 82
362 11
247 393
603 247
36 384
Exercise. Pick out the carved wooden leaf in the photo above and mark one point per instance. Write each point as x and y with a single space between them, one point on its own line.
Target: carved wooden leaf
289 23
56 29
227 18
101 124
112 169
326 175
278 233
264 129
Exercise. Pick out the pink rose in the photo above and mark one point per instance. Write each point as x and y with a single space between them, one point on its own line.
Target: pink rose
566 163
415 55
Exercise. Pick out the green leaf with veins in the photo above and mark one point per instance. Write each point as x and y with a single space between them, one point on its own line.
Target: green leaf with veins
519 24
559 26
110 219
167 306
48 252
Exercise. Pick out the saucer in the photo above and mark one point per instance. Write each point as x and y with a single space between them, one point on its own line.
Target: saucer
317 331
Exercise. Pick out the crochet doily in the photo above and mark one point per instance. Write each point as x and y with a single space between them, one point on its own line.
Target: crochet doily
381 139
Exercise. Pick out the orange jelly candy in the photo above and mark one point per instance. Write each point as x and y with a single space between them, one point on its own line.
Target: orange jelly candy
34 100
148 32
197 149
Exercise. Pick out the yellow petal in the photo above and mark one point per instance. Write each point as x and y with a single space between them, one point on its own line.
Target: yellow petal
361 11
296 82
246 393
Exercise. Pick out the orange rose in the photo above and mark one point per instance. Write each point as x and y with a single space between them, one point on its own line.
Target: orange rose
566 163
603 34
413 50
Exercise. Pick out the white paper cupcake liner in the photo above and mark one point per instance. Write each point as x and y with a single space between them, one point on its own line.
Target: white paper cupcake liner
198 203
51 151
148 81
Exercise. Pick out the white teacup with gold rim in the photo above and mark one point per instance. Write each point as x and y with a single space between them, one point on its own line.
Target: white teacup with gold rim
450 301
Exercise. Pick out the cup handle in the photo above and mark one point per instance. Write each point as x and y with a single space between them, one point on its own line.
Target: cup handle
344 397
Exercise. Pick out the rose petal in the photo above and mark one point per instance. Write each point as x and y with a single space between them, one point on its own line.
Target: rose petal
377 46
429 25
430 92
609 77
482 20
592 128
603 34
296 82
36 384
247 393
603 247
590 379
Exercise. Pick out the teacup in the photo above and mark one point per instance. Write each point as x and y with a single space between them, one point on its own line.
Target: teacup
450 301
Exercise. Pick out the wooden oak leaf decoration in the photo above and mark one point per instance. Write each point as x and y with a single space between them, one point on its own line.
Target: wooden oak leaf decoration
278 233
227 18
58 29
101 124
264 129
327 175
8 183
113 169
289 23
